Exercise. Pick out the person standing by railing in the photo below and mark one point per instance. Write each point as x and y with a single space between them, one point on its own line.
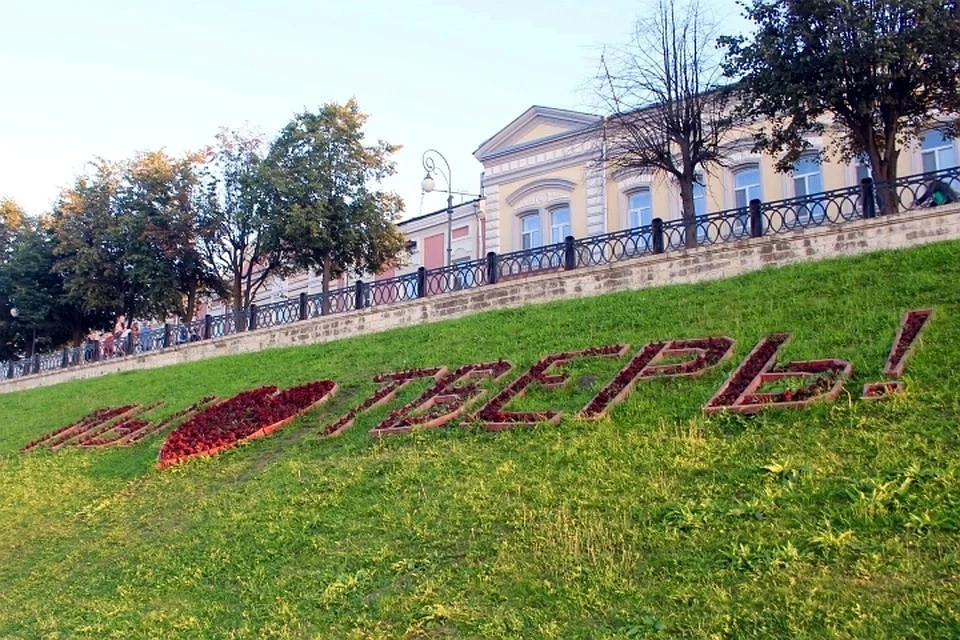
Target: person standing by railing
146 338
107 345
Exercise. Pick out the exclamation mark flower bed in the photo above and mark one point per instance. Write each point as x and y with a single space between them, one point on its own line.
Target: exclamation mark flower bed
245 416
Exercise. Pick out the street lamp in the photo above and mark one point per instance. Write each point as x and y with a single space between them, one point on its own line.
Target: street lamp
428 185
14 312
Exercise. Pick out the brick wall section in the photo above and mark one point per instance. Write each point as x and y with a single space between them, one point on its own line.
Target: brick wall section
703 263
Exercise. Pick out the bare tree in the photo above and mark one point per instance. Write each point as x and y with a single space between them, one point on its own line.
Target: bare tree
668 109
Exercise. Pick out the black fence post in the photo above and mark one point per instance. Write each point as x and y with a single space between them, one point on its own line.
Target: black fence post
167 332
656 232
492 267
65 360
569 253
756 219
303 306
128 344
10 370
868 196
358 294
36 363
96 350
421 282
253 317
207 327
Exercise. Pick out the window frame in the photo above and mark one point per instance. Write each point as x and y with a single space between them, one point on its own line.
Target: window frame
552 211
944 144
814 212
533 214
637 191
743 211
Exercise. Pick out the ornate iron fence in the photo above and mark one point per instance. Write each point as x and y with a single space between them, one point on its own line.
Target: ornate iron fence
529 261
613 247
392 290
865 200
917 190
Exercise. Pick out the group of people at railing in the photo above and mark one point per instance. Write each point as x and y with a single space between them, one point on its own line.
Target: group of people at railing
132 337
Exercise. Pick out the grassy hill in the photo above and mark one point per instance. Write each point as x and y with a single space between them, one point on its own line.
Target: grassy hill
833 521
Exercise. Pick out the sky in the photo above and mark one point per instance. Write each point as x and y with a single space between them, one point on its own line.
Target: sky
81 80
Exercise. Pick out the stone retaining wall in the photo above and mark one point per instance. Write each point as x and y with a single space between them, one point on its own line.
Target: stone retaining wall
703 263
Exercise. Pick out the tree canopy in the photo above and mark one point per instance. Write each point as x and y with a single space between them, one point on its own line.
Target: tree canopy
878 72
321 187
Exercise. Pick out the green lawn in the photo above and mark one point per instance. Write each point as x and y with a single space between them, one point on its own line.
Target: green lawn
834 521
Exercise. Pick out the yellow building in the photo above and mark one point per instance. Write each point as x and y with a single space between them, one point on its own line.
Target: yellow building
545 178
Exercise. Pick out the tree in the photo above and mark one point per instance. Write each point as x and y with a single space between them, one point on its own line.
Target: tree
109 266
30 282
875 71
320 179
669 113
160 198
242 244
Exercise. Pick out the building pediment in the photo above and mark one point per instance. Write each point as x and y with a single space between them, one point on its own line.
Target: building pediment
534 126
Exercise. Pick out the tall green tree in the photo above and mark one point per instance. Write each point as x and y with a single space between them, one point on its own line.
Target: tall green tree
109 265
877 71
322 188
242 243
160 199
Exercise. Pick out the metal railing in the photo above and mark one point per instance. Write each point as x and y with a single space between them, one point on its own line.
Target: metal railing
758 219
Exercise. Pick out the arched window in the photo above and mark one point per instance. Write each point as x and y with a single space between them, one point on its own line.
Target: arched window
807 177
530 231
639 208
807 181
699 197
746 187
936 152
559 224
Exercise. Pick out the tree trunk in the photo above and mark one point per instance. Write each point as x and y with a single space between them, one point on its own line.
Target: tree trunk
326 282
239 302
191 302
884 168
689 213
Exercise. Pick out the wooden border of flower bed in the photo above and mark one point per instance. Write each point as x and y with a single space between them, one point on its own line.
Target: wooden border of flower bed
895 369
439 421
842 371
880 390
545 380
711 407
439 375
660 351
259 433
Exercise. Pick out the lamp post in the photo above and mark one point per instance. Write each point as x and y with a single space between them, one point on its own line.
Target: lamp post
428 185
14 312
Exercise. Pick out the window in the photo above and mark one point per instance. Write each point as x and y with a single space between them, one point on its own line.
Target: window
639 208
530 231
559 224
700 207
699 197
808 181
746 187
936 152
